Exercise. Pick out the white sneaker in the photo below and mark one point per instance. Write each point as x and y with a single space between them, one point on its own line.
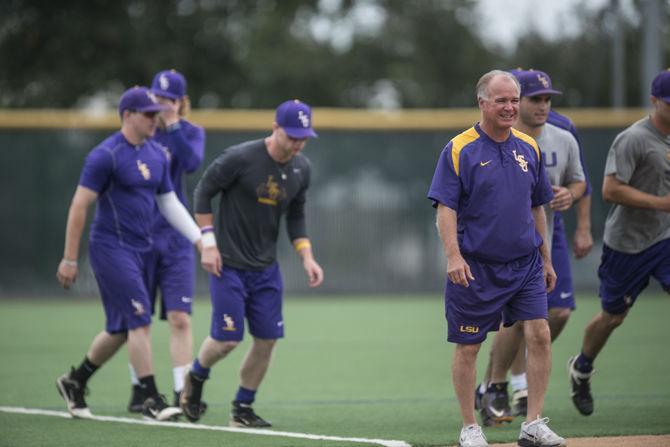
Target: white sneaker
537 434
472 436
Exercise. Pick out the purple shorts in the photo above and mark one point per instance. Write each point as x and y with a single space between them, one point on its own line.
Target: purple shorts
171 269
624 276
121 278
563 294
506 292
256 295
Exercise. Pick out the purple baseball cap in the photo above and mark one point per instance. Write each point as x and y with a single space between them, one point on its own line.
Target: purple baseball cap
295 117
139 99
660 86
169 84
534 82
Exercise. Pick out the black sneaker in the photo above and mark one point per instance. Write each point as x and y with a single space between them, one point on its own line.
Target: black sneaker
520 403
495 405
203 404
189 400
136 399
242 415
580 384
155 408
73 393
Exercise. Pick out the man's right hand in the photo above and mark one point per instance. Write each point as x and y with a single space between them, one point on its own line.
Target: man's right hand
458 271
210 259
67 273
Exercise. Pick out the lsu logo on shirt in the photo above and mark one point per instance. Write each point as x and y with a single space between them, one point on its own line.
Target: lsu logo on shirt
270 192
468 329
144 170
523 163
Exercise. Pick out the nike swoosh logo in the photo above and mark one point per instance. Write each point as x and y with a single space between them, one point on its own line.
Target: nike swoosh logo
154 412
565 295
484 163
496 413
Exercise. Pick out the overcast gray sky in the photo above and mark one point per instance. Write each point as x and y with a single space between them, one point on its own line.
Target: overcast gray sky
510 18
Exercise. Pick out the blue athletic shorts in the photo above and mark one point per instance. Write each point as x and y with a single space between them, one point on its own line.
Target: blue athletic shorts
624 276
171 270
563 294
506 292
122 282
256 295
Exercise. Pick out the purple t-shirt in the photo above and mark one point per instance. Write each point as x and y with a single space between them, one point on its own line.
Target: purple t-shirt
184 145
127 179
492 187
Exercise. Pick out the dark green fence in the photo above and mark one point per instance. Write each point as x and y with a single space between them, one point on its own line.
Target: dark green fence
370 222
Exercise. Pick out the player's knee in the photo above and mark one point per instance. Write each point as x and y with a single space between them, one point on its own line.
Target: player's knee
264 345
468 351
223 348
560 314
614 320
537 335
179 321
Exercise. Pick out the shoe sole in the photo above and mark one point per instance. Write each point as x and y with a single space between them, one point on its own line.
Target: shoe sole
233 423
74 412
167 414
498 422
529 443
135 408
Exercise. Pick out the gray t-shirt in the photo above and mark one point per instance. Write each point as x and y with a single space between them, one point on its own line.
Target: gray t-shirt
255 191
560 152
640 158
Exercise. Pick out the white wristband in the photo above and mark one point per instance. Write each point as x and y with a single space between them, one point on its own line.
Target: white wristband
208 240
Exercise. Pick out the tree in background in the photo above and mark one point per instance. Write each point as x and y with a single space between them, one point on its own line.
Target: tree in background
256 53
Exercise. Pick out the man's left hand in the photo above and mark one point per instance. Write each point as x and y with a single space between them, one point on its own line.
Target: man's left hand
582 243
549 276
314 272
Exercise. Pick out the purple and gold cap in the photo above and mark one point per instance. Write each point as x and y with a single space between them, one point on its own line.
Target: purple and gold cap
139 99
660 86
295 117
534 83
169 84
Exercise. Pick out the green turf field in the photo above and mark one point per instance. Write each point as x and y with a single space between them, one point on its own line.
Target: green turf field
365 367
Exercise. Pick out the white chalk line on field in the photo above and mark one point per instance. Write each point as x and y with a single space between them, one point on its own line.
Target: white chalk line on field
249 431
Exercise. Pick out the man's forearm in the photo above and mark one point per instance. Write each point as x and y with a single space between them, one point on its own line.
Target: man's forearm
583 213
446 226
76 219
540 219
204 220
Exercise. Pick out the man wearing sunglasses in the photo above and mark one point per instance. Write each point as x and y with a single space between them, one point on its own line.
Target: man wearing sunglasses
128 175
172 266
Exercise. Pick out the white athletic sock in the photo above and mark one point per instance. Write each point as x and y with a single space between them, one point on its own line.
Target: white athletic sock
133 377
518 382
178 376
482 387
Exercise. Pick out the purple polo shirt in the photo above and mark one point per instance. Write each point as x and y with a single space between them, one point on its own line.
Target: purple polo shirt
127 179
492 187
